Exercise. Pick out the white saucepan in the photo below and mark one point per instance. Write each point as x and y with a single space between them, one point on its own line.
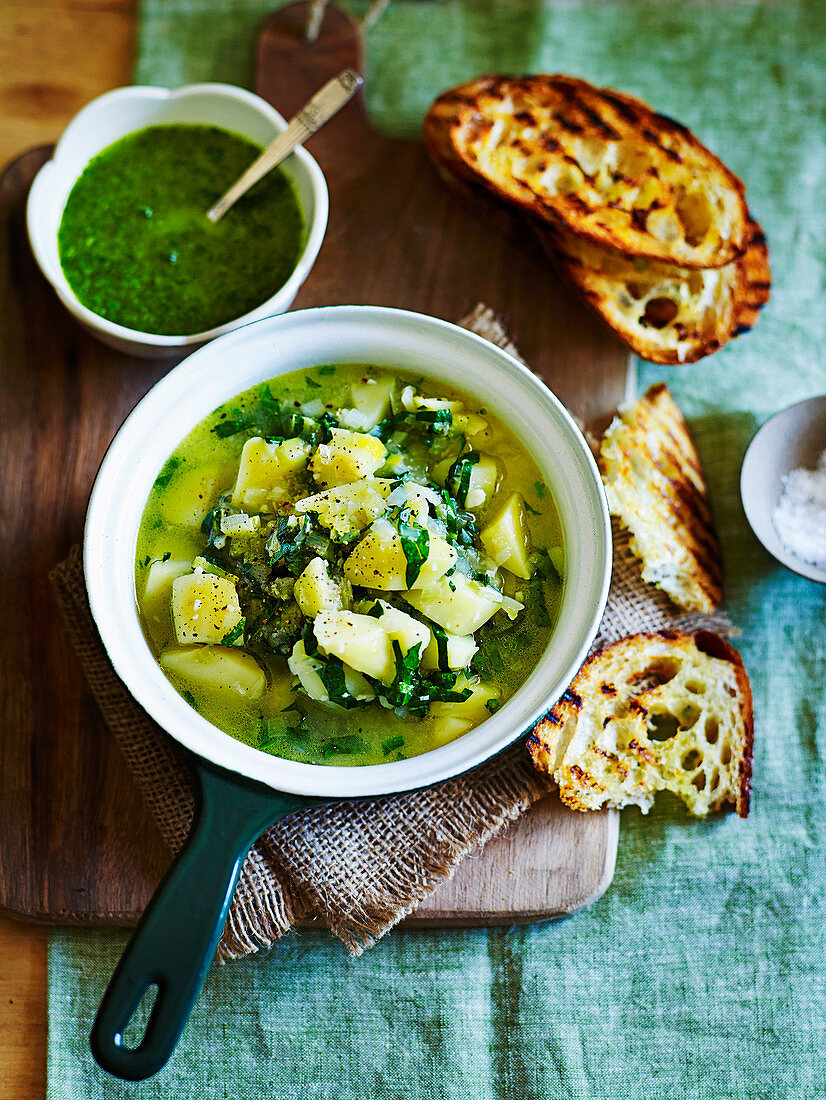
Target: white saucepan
244 790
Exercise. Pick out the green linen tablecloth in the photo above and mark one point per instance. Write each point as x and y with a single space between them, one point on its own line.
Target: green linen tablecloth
701 971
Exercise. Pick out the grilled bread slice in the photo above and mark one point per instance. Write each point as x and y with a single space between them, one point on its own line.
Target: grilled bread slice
670 711
666 314
655 485
601 163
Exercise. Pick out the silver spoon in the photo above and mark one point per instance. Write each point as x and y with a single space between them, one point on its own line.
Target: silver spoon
318 110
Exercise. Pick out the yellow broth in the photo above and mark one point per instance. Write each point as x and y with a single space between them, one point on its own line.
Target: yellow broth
279 717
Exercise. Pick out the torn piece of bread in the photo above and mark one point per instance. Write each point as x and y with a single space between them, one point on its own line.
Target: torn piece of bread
670 711
602 163
655 485
666 314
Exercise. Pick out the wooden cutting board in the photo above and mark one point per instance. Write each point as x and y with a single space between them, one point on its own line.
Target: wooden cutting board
76 844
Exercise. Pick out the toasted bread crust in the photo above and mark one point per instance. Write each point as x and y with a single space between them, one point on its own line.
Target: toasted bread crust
655 484
666 314
598 162
597 741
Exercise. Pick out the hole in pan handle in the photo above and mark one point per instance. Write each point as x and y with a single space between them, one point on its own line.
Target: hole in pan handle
175 941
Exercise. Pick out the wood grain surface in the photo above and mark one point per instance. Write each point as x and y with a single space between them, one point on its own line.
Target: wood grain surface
42 84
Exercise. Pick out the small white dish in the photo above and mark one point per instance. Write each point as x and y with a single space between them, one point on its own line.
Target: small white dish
793 438
125 110
437 351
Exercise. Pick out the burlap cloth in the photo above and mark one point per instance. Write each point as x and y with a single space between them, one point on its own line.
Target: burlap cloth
359 866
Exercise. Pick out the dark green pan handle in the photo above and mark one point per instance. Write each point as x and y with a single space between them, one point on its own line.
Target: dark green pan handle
176 938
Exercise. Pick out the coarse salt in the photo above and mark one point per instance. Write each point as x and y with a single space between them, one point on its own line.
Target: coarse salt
799 516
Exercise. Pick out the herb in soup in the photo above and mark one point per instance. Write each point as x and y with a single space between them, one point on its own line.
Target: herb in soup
137 248
342 566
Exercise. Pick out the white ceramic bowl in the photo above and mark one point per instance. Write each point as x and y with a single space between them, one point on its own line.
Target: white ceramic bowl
436 350
124 111
789 440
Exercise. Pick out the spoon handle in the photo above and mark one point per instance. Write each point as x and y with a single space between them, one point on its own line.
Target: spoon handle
324 104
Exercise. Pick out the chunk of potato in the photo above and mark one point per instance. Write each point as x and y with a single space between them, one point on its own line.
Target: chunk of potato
234 676
416 499
474 428
194 494
306 669
506 538
459 651
359 687
316 591
403 628
474 709
358 640
414 402
444 730
483 479
347 457
379 561
265 470
205 608
484 476
371 398
292 455
157 593
281 689
347 508
458 604
240 526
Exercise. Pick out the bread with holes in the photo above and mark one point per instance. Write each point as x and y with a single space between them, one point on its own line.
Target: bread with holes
652 712
602 164
655 485
666 314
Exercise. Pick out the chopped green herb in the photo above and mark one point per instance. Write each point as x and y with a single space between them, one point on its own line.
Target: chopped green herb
167 556
343 746
492 656
312 382
332 676
493 705
327 369
188 697
550 563
540 489
146 561
327 422
310 641
416 546
169 468
237 632
286 544
460 526
533 511
459 474
225 428
434 421
535 602
391 745
440 634
267 402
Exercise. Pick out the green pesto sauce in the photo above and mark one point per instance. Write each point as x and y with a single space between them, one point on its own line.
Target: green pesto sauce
137 248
